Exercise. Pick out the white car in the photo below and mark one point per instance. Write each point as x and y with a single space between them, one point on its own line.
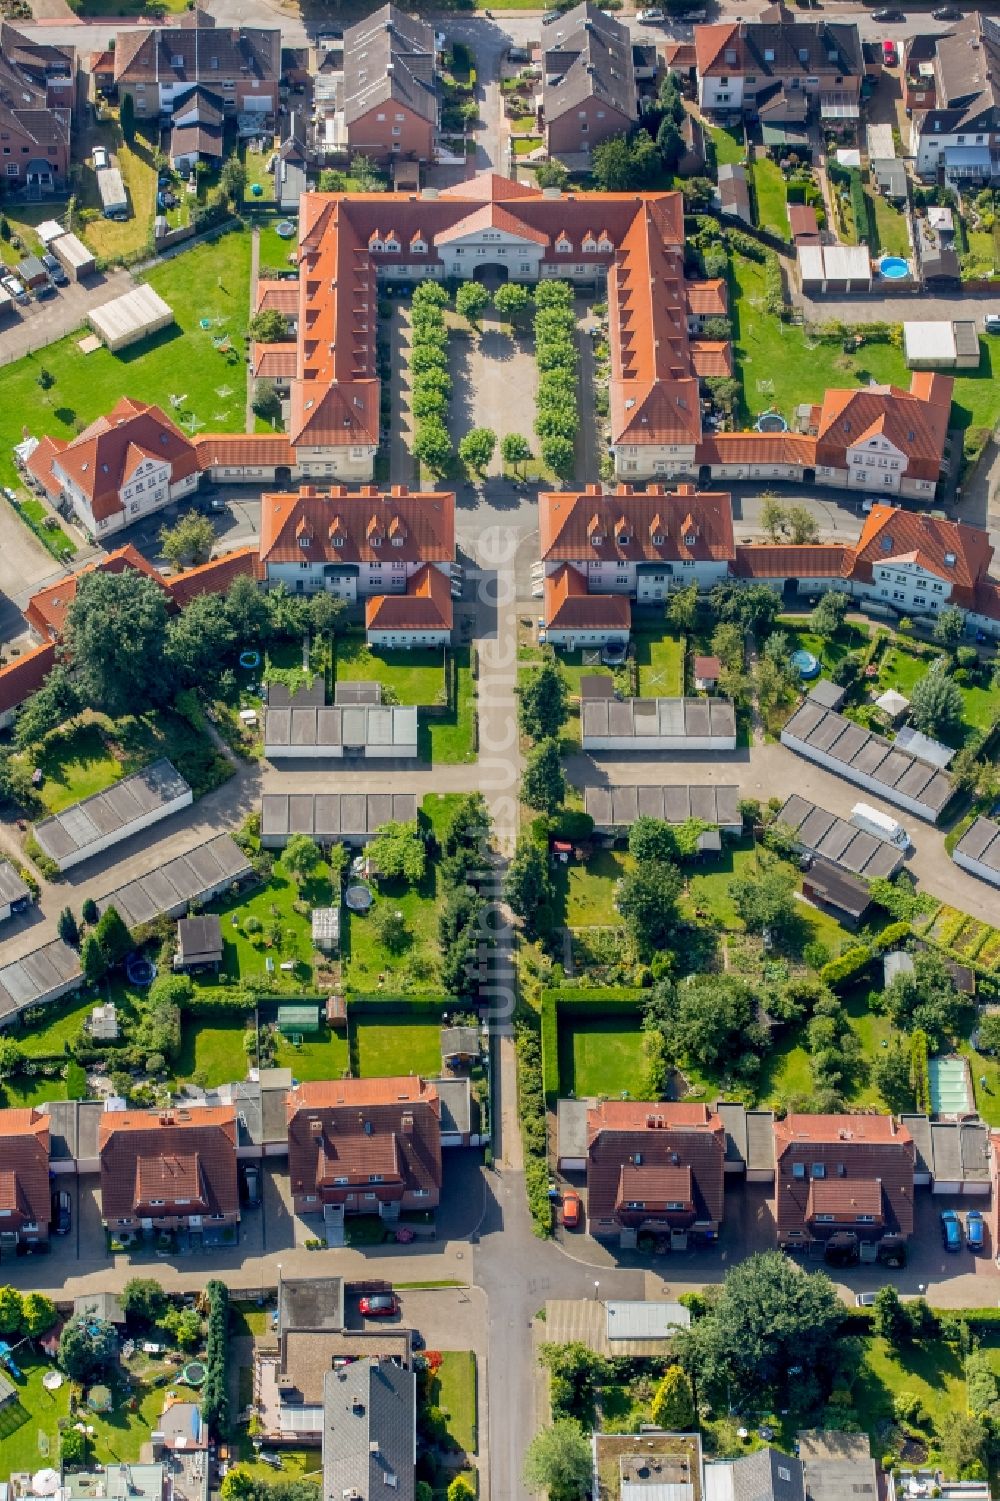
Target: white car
991 323
101 158
651 17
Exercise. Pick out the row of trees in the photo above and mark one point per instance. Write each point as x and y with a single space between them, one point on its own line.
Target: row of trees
431 382
466 934
557 417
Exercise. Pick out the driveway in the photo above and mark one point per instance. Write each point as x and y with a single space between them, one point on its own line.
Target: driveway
41 323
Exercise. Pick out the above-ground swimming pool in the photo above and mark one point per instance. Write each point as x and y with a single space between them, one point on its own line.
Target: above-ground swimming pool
771 422
805 664
893 267
285 229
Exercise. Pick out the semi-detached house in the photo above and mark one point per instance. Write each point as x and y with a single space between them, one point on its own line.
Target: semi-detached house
953 94
391 104
169 1169
588 80
24 1179
743 66
843 1181
158 65
37 98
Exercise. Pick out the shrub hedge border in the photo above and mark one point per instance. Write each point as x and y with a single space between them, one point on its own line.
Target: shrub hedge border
576 1000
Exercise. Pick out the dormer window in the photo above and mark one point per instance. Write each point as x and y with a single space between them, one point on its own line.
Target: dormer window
604 245
949 559
391 246
418 247
563 246
375 243
375 538
690 538
658 539
886 544
588 245
769 54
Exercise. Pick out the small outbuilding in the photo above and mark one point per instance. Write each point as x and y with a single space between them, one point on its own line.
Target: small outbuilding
326 929
707 672
135 315
199 942
102 1023
14 894
31 271
459 1046
734 192
294 1019
889 176
893 705
836 891
76 259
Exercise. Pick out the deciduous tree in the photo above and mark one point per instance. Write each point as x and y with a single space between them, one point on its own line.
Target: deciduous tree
828 617
543 702
300 858
398 853
527 886
514 450
543 782
646 897
56 701
471 301
936 703
233 179
87 1346
558 1461
189 542
477 448
673 1401
115 634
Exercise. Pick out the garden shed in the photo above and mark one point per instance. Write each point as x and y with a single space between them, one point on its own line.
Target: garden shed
133 316
300 1018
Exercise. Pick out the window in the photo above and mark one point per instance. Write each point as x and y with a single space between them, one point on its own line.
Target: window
823 1219
399 117
819 1169
397 130
798 1169
380 117
865 1219
674 1204
421 1193
12 169
375 1178
340 1182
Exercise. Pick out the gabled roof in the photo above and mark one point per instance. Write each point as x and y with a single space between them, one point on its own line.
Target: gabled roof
711 357
24 1168
967 73
233 450
776 47
866 1155
812 560
349 1128
684 525
662 1136
147 1154
426 605
214 577
373 526
915 422
38 59
707 299
490 216
389 56
587 54
24 675
570 607
950 550
369 1427
103 457
199 51
46 611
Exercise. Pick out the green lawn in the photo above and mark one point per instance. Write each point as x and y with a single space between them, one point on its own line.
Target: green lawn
829 653
901 669
62 1021
660 660
58 542
255 163
296 1464
212 1052
456 1396
21 1093
585 893
729 145
601 1055
932 1371
783 364
325 1056
573 668
447 740
416 677
769 187
709 885
388 1045
286 935
274 250
114 239
210 281
29 1435
76 764
369 967
890 226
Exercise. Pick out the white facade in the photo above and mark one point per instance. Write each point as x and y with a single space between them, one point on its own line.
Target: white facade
350 582
572 639
724 93
353 463
906 587
858 777
407 639
461 256
645 581
147 488
635 461
875 464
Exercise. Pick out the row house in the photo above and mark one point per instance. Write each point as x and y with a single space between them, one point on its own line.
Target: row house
842 1183
390 97
37 98
158 65
169 1169
394 551
743 67
24 1179
953 93
655 1168
588 80
364 1146
599 550
119 470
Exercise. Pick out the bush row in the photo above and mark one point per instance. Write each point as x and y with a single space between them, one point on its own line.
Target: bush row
214 1397
855 961
919 1072
557 409
574 1000
534 1137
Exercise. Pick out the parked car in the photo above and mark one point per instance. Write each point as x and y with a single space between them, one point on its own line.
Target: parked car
865 1300
251 1185
44 289
550 15
62 1212
890 54
951 1230
947 13
888 14
991 323
379 1306
54 269
102 158
975 1231
652 17
17 291
571 1209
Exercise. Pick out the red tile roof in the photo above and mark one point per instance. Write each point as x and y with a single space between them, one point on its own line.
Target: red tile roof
105 455
986 599
426 605
280 296
684 525
708 299
711 357
46 611
39 465
172 1155
297 528
706 668
213 577
239 450
803 223
24 1168
353 1128
916 424
758 448
570 607
814 560
23 676
950 550
854 1152
661 1137
273 361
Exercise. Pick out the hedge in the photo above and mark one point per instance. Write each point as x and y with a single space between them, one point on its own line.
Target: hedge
575 1000
856 960
919 1072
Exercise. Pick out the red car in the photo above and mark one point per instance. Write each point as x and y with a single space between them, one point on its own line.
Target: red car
379 1306
571 1209
890 56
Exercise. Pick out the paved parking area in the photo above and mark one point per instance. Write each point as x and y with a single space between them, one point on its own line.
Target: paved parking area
40 323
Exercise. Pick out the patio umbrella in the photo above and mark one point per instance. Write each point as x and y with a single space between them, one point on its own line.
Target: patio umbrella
45 1482
52 1380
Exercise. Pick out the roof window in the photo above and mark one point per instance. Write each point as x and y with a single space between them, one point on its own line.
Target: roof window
949 558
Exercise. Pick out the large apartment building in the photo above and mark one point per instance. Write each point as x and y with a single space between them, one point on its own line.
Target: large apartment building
588 80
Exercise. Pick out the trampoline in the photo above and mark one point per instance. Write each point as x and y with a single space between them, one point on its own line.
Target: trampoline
771 422
140 970
249 660
194 1373
806 665
893 267
285 229
358 898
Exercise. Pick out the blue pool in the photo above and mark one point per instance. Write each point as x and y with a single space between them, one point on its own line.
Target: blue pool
893 267
805 664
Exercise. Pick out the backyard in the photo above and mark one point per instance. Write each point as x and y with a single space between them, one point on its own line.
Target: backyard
266 925
783 364
584 891
29 1432
890 227
829 653
730 146
769 190
900 668
411 964
206 390
392 1043
660 660
418 677
453 1389
114 239
601 1055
